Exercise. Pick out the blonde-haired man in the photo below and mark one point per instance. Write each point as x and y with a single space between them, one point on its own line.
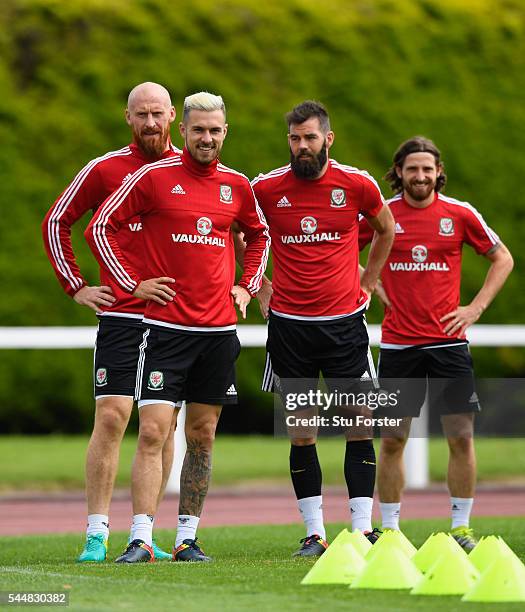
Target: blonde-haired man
190 345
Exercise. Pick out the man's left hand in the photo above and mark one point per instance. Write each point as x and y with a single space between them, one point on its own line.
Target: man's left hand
242 298
459 320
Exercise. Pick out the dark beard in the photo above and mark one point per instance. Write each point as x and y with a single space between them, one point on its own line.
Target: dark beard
309 168
419 196
152 148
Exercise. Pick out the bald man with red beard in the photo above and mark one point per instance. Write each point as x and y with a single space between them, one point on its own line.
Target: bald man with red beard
149 114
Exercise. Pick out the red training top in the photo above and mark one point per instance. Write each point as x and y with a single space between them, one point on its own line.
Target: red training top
187 210
422 275
314 230
90 187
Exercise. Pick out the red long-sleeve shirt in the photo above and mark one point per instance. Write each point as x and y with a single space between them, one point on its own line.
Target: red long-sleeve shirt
90 187
186 210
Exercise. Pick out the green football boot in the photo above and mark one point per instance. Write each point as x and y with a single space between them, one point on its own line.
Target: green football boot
159 553
464 536
95 549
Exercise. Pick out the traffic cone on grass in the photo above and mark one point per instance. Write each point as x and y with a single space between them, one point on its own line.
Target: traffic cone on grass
390 568
451 574
360 542
432 549
487 551
503 580
339 564
392 539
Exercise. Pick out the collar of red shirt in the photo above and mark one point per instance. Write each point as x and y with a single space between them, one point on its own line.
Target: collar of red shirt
195 167
436 196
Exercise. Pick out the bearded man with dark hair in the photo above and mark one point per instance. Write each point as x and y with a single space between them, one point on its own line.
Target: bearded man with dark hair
316 310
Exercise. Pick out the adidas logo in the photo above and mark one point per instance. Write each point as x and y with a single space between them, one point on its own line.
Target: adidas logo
365 376
283 202
399 229
126 178
232 390
178 190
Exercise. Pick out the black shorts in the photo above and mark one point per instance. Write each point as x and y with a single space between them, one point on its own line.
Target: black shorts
198 367
447 372
336 349
116 357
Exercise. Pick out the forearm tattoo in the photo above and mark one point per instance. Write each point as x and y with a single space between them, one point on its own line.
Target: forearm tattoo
194 478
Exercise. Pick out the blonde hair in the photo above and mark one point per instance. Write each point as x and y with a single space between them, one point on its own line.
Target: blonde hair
203 101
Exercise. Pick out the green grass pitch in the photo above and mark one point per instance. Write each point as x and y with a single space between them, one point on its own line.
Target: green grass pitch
252 571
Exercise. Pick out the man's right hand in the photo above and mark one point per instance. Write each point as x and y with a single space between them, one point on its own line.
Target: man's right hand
156 289
94 297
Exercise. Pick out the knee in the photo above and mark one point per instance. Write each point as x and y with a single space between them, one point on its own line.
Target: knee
202 431
151 435
112 417
461 446
392 446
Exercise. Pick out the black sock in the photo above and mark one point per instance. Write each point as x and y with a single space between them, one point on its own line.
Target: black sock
360 468
305 471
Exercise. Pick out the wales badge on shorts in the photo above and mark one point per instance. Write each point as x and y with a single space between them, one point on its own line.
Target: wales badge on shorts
156 381
102 377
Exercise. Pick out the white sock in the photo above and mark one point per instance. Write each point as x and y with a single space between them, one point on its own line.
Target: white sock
311 509
142 528
186 528
361 513
461 508
98 523
131 538
390 515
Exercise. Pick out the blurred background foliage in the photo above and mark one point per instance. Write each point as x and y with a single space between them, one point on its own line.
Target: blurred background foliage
453 70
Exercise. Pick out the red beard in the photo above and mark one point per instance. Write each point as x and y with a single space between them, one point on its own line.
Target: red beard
152 147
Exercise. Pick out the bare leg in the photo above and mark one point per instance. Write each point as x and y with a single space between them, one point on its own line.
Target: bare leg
167 456
201 423
146 478
391 470
459 430
111 419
